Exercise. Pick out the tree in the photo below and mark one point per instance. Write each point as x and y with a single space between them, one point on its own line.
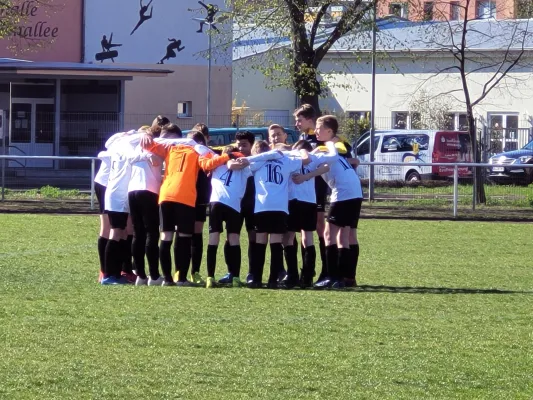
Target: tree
299 34
524 9
476 71
430 112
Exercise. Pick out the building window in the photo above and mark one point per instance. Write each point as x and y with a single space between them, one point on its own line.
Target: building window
399 10
184 109
503 132
405 120
456 122
359 115
455 11
486 9
428 11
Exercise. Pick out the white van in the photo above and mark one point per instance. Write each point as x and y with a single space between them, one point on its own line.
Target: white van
412 147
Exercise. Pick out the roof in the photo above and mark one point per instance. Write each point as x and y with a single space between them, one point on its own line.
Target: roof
396 35
24 67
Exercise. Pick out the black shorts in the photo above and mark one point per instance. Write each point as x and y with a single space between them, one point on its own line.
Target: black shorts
177 214
248 217
321 191
118 220
302 216
144 211
99 190
200 212
345 213
220 213
271 222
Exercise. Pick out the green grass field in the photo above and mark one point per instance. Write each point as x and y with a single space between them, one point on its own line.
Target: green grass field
444 311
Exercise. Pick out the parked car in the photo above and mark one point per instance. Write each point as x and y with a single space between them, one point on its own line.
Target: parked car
225 136
507 166
413 147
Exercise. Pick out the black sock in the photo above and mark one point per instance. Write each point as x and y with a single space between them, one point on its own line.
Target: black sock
138 251
276 261
344 262
211 259
332 262
182 251
354 259
165 259
197 251
112 259
251 251
127 265
322 247
226 255
102 243
152 254
258 261
291 259
234 256
308 271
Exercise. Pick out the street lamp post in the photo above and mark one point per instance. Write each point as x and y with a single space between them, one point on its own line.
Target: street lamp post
372 106
209 36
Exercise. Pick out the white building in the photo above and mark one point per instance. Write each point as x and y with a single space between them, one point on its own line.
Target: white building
409 56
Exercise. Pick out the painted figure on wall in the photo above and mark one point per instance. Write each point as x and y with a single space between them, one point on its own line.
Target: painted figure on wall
212 10
107 52
173 45
142 15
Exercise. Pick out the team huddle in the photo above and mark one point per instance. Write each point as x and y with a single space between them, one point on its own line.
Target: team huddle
154 188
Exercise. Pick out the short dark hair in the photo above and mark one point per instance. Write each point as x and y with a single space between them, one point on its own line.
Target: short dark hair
302 144
197 136
305 110
202 128
162 121
330 122
245 135
172 129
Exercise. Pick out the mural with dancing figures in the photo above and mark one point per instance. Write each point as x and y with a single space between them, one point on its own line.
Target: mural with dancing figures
152 31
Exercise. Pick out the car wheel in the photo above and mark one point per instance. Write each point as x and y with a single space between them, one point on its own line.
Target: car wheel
412 176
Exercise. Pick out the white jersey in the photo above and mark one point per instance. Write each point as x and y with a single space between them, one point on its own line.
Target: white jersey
342 179
272 183
304 191
228 186
102 176
116 195
144 175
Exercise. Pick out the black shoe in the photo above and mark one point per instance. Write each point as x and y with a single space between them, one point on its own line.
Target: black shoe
337 285
254 285
306 283
323 284
288 284
272 285
350 283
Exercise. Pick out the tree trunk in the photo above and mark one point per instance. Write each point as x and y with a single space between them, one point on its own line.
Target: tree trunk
312 100
479 176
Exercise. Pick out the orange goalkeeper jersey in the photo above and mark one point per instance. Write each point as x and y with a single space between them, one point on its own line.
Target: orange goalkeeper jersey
182 166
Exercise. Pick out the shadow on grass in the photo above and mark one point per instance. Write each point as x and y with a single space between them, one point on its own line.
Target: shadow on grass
433 290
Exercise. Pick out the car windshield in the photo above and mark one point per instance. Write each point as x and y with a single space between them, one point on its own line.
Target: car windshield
528 146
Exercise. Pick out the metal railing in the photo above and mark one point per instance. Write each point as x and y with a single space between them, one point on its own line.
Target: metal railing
455 189
8 157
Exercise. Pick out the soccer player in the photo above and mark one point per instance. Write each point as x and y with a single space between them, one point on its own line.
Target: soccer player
277 137
117 207
177 201
200 134
305 119
271 210
302 218
244 142
344 211
143 193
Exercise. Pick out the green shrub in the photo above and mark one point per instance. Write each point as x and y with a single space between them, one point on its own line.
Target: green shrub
50 192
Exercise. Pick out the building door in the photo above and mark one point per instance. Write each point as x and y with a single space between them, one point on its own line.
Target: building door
32 130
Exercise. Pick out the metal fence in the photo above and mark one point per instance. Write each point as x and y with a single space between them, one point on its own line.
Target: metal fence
507 190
